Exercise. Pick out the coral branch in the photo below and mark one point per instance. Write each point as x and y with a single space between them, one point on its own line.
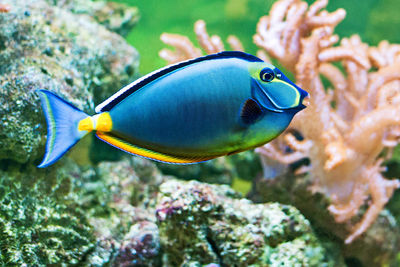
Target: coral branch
235 43
210 45
370 128
342 53
5 8
381 190
270 151
378 79
184 49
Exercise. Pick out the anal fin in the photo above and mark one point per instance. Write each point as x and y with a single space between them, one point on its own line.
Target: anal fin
146 153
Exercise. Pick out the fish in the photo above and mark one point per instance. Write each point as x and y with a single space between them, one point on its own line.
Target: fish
189 112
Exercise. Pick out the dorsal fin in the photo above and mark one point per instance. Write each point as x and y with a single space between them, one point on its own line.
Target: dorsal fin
139 83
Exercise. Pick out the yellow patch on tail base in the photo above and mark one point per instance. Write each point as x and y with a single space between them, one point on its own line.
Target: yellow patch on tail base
86 125
104 122
100 122
121 144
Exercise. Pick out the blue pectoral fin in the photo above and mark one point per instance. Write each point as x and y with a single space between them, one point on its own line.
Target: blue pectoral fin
62 126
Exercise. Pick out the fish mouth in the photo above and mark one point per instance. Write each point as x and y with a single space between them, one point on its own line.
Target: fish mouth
305 102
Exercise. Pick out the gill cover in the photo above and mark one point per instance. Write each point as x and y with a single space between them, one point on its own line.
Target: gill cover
273 90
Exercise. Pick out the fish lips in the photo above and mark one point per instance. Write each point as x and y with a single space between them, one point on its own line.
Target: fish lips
268 102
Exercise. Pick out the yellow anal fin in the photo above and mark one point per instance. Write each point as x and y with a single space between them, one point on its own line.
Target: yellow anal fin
146 153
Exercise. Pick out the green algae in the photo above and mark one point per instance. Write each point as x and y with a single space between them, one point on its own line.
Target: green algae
40 223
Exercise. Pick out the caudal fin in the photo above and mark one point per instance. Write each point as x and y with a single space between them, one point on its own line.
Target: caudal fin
62 126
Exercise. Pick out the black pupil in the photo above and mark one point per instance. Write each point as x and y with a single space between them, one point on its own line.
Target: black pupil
267 75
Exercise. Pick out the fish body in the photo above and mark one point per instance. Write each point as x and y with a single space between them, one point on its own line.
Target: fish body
192 111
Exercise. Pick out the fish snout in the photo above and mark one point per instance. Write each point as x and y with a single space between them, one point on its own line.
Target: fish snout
306 101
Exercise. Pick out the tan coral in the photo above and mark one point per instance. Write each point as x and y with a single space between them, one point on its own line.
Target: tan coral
185 49
5 8
349 138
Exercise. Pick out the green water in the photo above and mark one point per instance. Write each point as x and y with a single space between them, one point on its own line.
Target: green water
374 20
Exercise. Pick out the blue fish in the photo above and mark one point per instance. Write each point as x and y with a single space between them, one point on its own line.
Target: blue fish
185 113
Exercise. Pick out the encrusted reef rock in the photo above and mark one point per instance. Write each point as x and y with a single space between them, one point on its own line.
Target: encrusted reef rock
203 224
48 47
85 216
116 17
122 198
65 213
40 221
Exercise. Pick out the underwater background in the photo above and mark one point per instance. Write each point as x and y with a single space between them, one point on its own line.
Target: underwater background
101 207
374 20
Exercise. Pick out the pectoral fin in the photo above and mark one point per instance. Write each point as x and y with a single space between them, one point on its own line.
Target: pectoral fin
250 112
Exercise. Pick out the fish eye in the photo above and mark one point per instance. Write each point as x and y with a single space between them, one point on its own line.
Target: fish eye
267 74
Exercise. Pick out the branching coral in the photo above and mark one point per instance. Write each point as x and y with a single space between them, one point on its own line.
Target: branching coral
347 128
353 120
4 8
184 48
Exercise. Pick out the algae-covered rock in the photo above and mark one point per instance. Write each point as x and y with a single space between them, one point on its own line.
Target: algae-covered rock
207 224
122 198
117 17
49 47
85 216
64 214
40 221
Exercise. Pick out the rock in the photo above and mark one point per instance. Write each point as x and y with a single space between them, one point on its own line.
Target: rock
203 224
65 214
117 17
377 247
40 221
122 197
140 247
47 47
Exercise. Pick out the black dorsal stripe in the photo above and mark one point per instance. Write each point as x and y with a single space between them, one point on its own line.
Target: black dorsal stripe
166 70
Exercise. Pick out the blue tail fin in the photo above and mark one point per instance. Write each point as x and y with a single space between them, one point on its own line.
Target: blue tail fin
62 126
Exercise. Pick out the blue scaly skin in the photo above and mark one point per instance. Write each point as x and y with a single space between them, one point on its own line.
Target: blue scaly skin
193 111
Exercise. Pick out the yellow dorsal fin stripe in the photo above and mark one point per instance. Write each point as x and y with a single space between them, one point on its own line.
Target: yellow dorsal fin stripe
121 144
